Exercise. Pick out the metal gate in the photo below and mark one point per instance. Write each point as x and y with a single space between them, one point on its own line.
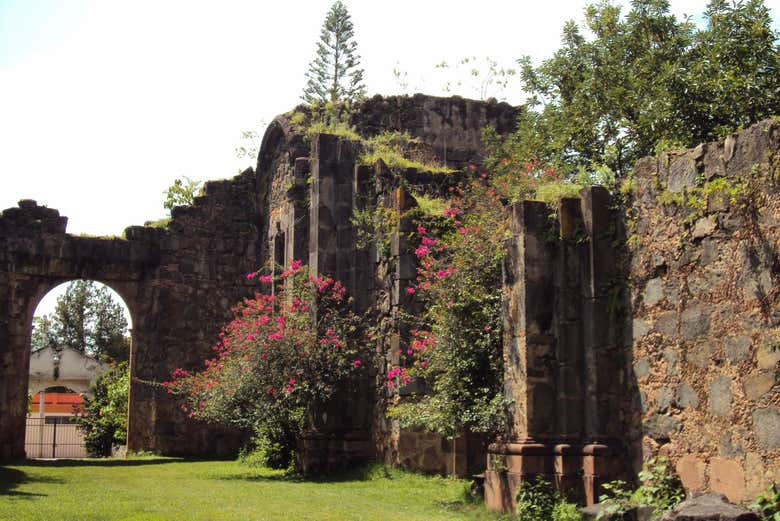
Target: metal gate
54 437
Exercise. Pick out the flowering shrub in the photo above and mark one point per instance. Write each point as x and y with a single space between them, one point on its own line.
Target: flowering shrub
455 346
279 355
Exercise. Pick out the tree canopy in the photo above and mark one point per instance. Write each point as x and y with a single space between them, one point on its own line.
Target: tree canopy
86 319
335 74
623 87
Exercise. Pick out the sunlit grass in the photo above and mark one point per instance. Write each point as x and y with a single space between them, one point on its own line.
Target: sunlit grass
173 489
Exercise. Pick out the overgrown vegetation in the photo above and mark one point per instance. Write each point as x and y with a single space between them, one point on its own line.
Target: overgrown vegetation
181 193
390 147
659 488
622 87
539 501
767 504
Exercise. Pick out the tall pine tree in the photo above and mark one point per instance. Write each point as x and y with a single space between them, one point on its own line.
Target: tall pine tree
335 74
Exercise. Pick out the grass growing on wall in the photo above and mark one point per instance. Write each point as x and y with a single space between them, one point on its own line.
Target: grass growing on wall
152 488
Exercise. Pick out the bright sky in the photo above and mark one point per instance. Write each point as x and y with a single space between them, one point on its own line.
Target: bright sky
103 104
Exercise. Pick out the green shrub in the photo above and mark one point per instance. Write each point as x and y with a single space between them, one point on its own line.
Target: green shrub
564 511
767 504
660 488
104 422
539 501
272 446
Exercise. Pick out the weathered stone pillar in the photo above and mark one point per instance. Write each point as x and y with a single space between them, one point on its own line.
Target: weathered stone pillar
605 379
331 237
529 355
562 351
570 267
339 430
297 246
364 200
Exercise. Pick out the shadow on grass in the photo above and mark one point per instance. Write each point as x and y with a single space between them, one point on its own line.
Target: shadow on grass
11 479
369 472
99 462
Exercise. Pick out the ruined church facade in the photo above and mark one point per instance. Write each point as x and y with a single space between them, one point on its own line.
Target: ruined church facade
634 327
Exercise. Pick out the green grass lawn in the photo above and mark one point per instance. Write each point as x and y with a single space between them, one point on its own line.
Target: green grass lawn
173 489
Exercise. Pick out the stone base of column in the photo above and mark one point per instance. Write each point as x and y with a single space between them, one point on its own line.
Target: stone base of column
323 453
601 463
509 465
576 470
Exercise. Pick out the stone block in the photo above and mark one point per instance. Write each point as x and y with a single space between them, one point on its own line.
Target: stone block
766 427
767 356
758 383
682 174
720 396
640 328
686 396
737 348
704 227
663 399
660 427
666 324
641 368
695 321
691 469
654 292
728 478
709 507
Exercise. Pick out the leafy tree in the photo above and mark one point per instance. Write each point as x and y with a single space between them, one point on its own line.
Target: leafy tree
43 335
104 420
733 76
181 193
335 74
643 82
85 319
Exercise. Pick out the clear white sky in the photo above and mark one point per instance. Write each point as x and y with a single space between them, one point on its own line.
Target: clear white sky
103 104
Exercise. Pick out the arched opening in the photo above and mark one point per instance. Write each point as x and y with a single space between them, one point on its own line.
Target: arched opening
80 346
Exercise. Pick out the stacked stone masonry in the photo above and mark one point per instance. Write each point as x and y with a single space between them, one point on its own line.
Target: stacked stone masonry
705 322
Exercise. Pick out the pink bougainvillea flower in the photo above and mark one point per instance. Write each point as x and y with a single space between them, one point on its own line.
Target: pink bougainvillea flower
357 363
421 230
265 278
411 291
250 276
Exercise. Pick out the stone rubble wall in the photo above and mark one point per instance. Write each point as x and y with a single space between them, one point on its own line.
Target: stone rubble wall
705 276
179 284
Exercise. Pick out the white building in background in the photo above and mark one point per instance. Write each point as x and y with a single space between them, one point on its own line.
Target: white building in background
58 379
64 368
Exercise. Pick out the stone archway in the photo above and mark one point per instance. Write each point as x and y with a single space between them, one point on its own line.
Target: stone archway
178 283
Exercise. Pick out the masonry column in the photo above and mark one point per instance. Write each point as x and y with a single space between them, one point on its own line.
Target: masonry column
571 264
338 434
529 357
604 377
331 237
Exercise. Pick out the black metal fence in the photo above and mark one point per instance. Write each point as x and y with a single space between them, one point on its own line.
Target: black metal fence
54 437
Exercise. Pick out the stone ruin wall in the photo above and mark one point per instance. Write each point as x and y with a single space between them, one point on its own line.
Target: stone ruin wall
648 329
706 321
310 190
689 370
179 284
